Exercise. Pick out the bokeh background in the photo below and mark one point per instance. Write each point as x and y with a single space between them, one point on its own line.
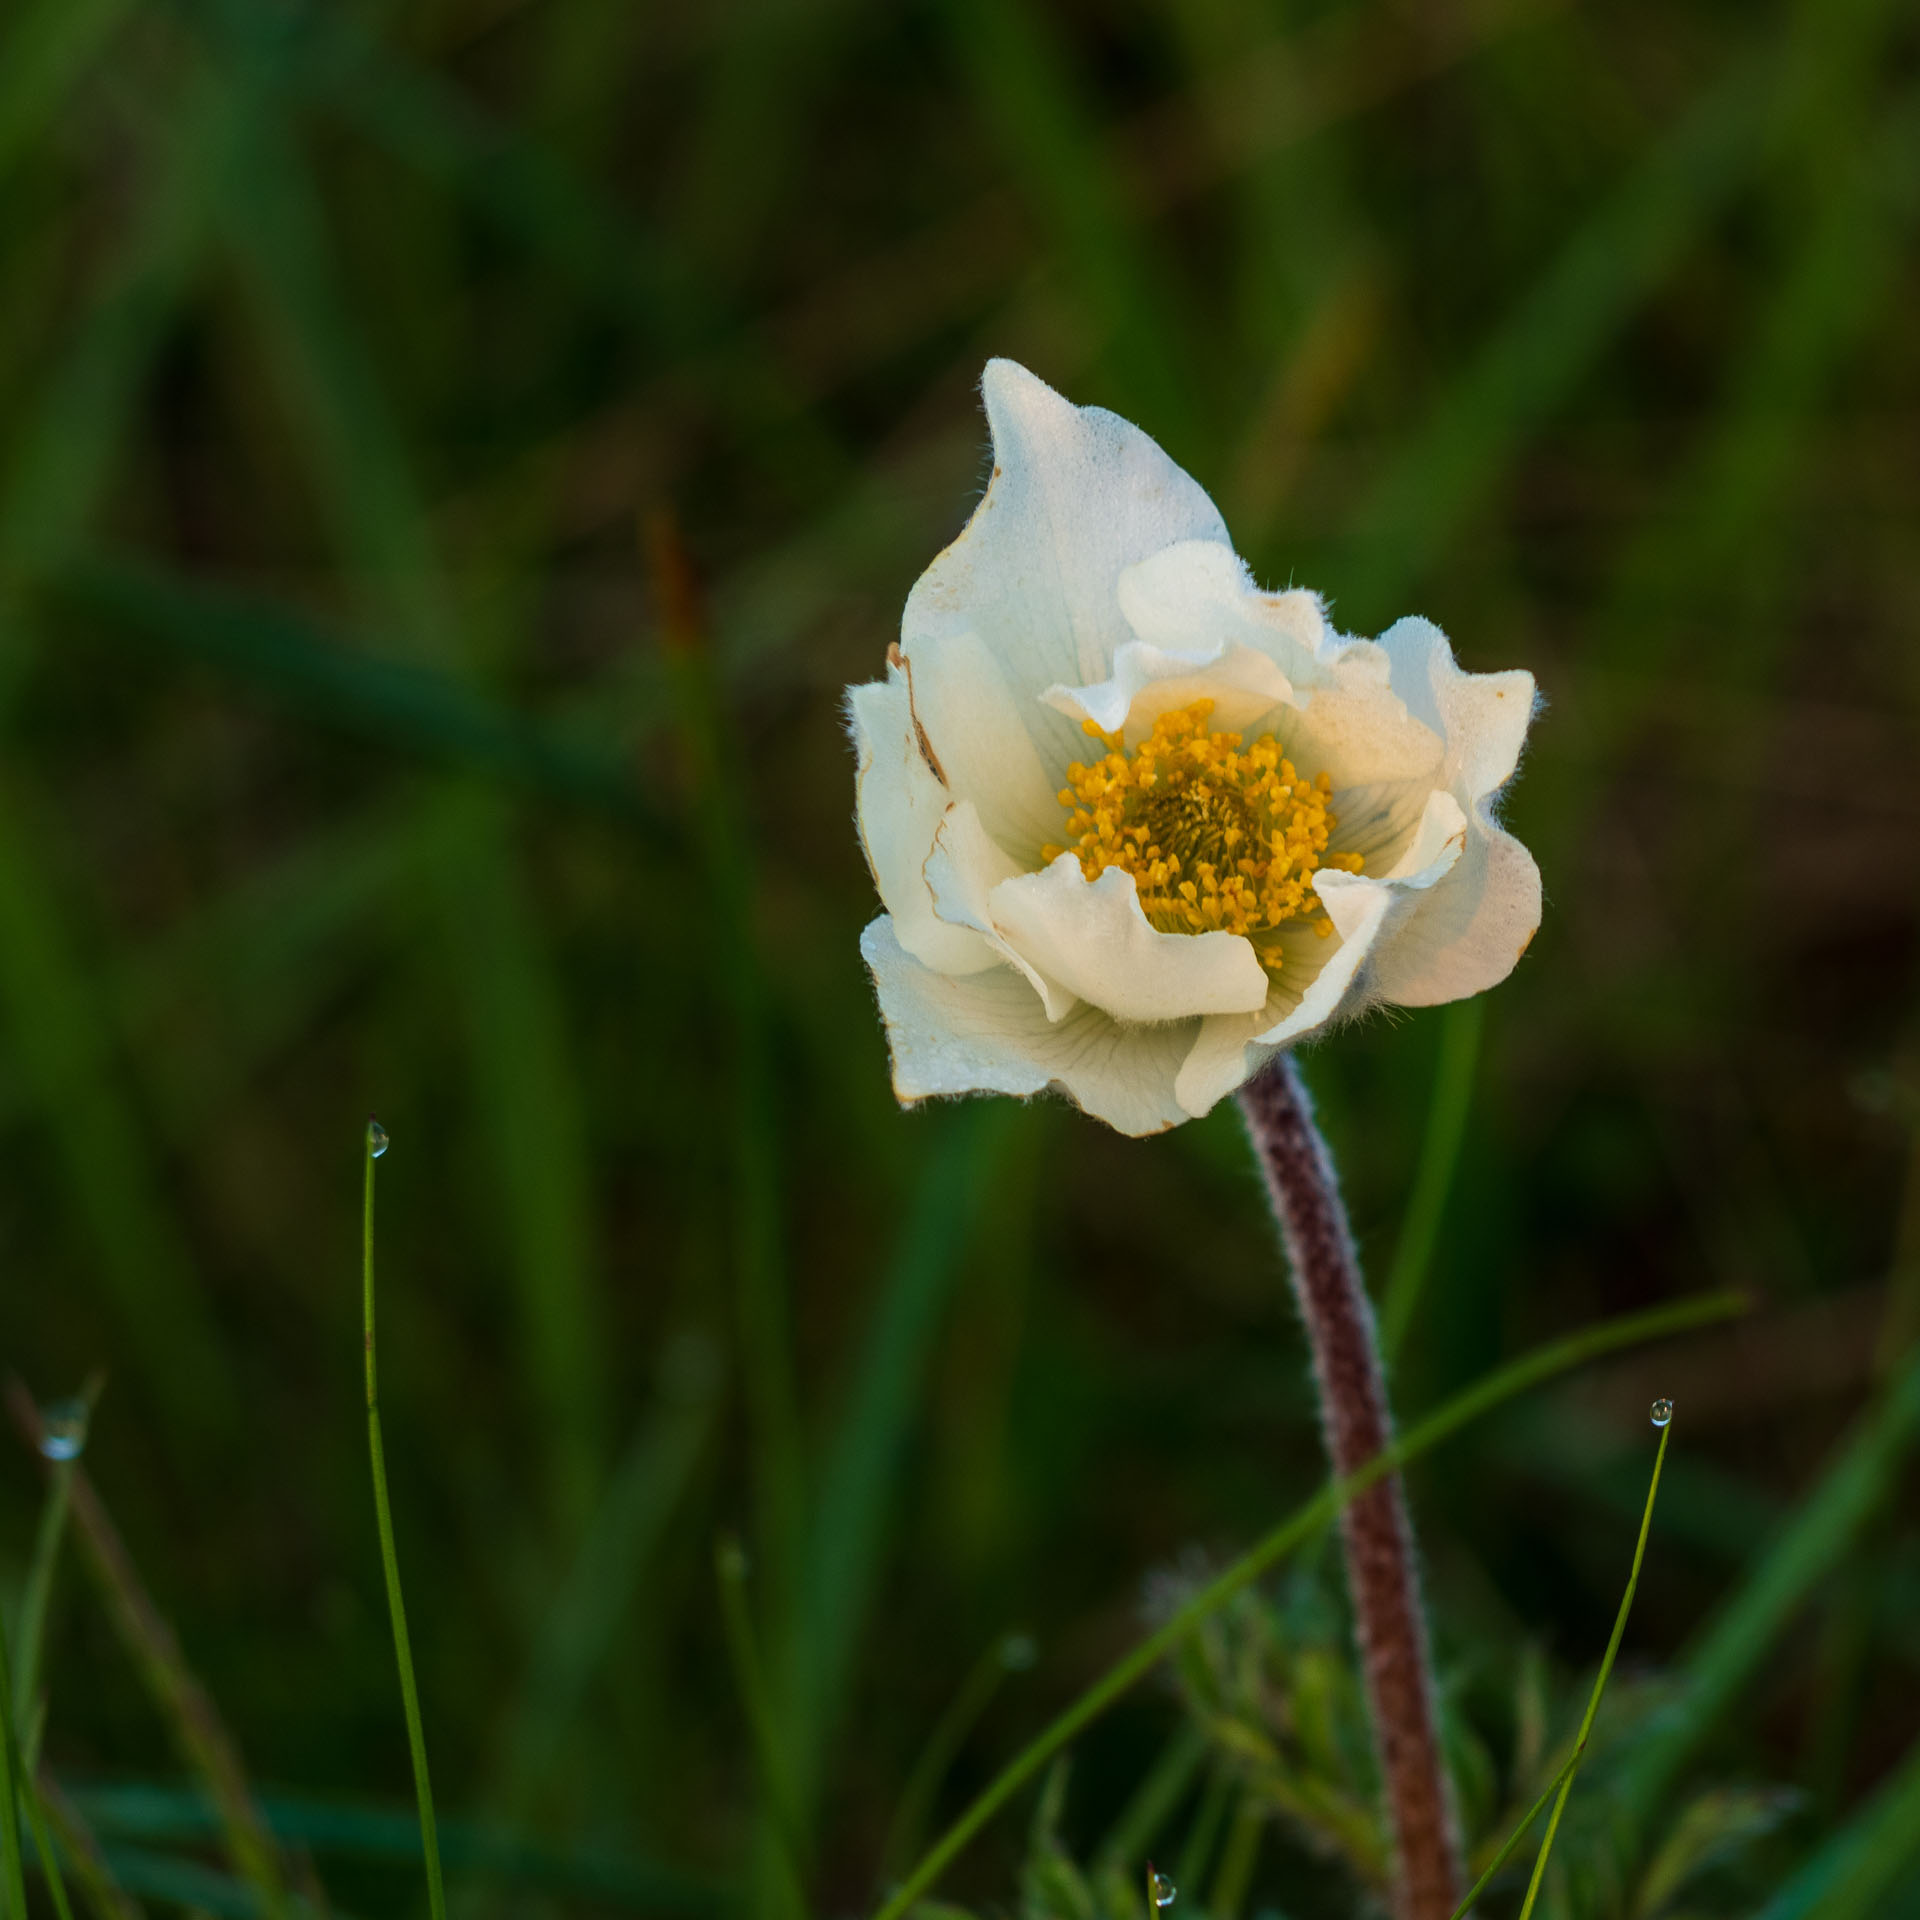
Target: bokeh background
453 457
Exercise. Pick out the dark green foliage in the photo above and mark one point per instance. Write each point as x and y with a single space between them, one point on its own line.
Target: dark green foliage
351 759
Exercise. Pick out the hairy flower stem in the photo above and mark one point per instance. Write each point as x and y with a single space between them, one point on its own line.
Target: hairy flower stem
1374 1526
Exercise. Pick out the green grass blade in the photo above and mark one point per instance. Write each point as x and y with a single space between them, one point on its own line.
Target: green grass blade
104 1893
195 1723
1026 86
756 1702
624 264
1503 1384
1716 1672
1511 1845
47 50
1152 1802
324 677
763 1310
1855 1871
192 1885
1600 1679
858 1479
18 1789
36 1597
1613 262
62 1040
1439 1155
529 1096
376 1145
358 1831
59 459
587 1613
10 1788
949 1734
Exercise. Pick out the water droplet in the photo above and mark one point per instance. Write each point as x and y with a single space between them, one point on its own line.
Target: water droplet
1661 1413
63 1429
376 1138
1162 1889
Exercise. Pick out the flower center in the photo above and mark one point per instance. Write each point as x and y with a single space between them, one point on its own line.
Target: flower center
1219 837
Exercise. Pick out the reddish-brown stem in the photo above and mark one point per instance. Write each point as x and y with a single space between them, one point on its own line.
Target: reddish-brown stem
1376 1533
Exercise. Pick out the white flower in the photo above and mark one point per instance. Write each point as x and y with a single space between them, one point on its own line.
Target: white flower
1270 827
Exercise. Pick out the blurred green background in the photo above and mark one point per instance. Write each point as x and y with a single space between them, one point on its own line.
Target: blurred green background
370 378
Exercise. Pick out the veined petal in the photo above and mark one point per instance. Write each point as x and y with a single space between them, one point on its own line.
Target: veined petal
1077 496
1204 631
1359 731
1482 717
1092 936
1149 681
1364 911
987 1033
899 803
1200 589
982 744
1471 929
963 869
1476 923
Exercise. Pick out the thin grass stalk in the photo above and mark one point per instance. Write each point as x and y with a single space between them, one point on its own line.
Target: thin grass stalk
1460 1028
17 1790
1511 1845
945 1741
396 1605
763 1307
1503 1384
1600 1679
1377 1534
205 1742
37 1596
16 1884
756 1701
98 1883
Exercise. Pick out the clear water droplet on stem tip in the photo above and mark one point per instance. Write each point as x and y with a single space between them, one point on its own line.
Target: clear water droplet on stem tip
63 1429
1163 1890
1661 1412
376 1138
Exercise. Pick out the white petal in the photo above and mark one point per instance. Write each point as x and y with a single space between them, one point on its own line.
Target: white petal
1365 911
1203 630
1093 937
1471 930
1438 842
983 745
899 802
1483 717
1475 925
1149 681
964 868
1077 496
1359 732
988 1034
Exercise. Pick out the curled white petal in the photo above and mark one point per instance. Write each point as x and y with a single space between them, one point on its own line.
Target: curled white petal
964 868
1479 919
978 737
1092 936
1365 914
1077 496
899 802
987 1033
1095 585
1148 681
1202 630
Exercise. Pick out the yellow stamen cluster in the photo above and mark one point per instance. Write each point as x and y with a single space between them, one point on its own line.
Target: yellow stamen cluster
1218 836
